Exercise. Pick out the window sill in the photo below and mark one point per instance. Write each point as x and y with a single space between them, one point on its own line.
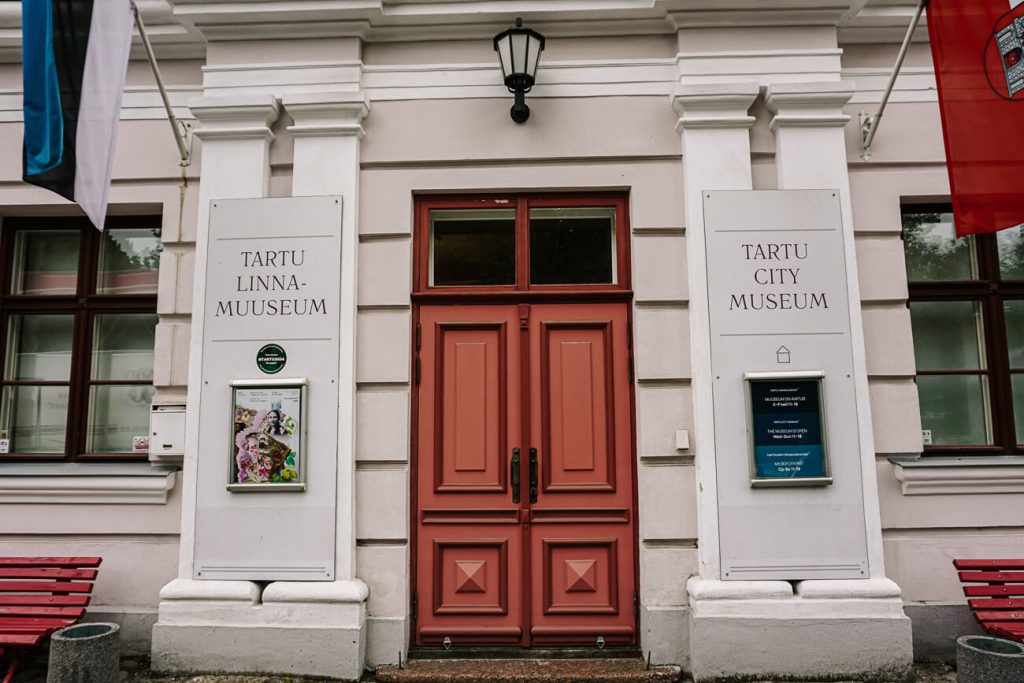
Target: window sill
952 475
81 483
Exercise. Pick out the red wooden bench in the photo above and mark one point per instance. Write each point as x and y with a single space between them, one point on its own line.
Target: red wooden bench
40 595
998 599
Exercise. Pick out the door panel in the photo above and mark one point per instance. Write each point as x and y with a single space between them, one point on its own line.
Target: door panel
555 564
469 539
471 399
577 408
581 524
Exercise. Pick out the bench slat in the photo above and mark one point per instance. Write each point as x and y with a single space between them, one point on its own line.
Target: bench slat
40 622
59 562
994 591
45 573
1012 626
988 564
28 611
985 577
985 603
45 587
20 639
44 600
999 616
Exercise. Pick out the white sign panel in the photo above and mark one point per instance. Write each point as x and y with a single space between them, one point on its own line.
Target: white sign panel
266 498
779 309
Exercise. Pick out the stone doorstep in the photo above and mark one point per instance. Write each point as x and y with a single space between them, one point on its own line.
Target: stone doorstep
526 671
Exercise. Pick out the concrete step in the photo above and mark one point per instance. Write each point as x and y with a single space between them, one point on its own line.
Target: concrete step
622 670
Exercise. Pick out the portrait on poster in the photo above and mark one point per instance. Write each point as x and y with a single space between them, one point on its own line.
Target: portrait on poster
267 427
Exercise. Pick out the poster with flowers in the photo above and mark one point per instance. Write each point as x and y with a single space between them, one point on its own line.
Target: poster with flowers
266 446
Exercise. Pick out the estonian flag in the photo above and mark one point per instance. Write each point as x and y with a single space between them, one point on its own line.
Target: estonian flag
74 56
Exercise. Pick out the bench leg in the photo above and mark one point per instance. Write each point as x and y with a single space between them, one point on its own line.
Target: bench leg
16 660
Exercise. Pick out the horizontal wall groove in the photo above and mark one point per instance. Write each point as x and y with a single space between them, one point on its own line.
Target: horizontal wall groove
394 385
924 532
655 382
655 232
381 542
655 543
384 236
369 308
517 161
663 304
685 460
381 465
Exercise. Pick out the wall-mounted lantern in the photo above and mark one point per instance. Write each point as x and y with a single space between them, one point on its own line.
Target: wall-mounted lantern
519 51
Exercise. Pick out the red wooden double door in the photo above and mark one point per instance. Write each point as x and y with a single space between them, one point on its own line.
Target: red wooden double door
524 475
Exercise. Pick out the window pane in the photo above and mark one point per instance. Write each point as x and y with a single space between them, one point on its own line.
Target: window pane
933 251
1018 406
572 246
129 260
947 335
1011 253
116 414
123 346
472 247
1015 331
45 262
34 418
39 347
955 408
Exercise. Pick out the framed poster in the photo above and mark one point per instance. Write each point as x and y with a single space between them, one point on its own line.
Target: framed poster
268 430
788 443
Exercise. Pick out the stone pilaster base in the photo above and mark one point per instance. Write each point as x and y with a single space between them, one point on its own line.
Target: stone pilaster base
300 628
813 630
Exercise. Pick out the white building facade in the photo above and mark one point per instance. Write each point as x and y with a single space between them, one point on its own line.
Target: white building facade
537 303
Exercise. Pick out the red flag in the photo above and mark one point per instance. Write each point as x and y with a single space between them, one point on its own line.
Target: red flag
978 49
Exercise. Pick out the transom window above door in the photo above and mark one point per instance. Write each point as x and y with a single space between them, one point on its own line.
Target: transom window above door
531 242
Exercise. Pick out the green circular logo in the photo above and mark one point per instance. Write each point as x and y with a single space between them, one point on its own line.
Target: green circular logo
271 359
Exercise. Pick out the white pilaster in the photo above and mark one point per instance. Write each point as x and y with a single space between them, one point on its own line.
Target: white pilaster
810 153
714 124
328 132
236 137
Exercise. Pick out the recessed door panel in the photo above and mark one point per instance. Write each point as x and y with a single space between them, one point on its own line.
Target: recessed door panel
471 396
577 406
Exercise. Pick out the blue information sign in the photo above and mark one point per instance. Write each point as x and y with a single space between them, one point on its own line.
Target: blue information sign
787 431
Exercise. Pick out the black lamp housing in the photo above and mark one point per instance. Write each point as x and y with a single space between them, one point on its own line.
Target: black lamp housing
519 53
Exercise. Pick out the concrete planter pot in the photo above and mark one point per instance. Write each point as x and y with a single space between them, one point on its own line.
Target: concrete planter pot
981 659
85 653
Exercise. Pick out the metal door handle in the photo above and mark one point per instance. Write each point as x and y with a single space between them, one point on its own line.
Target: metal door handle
533 475
514 466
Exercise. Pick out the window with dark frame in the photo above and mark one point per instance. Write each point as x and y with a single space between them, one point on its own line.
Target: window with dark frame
967 313
77 327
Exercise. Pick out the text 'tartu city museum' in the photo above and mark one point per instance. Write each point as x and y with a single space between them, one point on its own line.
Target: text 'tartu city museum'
673 364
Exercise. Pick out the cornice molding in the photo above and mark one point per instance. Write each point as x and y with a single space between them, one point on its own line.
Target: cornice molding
242 117
180 28
89 484
716 105
330 114
809 104
936 475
